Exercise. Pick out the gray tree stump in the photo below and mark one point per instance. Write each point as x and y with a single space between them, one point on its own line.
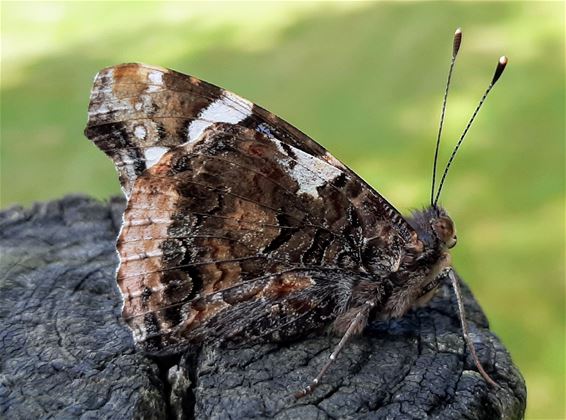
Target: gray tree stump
65 352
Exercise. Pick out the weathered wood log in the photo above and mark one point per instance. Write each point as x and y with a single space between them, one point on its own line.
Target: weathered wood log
65 352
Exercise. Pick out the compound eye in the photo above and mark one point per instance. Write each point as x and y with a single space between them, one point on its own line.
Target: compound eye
445 231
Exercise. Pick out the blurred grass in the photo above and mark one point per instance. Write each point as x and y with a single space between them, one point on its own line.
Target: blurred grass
366 81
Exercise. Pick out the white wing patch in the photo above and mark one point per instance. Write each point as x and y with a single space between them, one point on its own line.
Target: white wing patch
140 132
153 154
155 78
308 171
230 108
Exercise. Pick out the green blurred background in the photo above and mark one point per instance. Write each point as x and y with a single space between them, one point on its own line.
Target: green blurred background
366 81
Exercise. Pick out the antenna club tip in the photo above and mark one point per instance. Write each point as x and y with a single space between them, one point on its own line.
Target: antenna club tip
499 69
457 42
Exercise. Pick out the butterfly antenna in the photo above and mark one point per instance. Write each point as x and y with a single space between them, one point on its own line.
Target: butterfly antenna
455 49
498 71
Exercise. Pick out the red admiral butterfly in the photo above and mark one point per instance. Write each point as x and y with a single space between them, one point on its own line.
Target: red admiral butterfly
239 226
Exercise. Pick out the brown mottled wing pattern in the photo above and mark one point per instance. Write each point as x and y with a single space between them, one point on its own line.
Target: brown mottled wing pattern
237 224
137 112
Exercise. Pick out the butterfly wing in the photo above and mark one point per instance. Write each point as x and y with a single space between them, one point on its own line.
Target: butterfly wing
235 232
137 112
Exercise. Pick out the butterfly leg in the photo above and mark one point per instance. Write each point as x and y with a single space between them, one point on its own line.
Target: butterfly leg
356 325
464 324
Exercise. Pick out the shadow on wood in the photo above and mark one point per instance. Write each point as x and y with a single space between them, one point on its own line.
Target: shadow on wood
66 352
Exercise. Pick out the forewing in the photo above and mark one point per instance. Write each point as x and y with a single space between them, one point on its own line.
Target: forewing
138 112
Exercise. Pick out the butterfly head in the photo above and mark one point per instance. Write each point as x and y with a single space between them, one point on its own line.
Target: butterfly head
434 226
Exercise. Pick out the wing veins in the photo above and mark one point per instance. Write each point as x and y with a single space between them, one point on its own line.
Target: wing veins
276 211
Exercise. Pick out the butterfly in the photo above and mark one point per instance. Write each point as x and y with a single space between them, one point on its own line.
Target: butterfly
240 227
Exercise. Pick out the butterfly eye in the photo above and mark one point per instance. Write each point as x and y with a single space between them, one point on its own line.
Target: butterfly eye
445 231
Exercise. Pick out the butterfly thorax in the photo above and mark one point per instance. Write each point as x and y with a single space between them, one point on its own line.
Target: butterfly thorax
418 276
